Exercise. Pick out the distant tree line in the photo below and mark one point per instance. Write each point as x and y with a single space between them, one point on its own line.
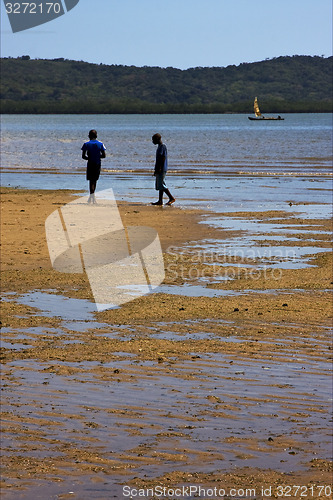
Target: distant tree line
283 84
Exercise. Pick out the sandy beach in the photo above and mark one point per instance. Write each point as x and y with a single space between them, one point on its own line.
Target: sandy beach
220 379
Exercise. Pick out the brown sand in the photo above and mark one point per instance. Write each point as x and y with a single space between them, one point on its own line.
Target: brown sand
166 342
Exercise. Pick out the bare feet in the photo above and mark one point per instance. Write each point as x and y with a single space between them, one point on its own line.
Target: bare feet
92 199
157 203
170 202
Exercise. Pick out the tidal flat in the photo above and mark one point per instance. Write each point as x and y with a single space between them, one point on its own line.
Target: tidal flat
221 377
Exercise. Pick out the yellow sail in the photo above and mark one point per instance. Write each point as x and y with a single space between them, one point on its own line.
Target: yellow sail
256 108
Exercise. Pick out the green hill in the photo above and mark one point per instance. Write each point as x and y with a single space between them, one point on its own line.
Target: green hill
283 84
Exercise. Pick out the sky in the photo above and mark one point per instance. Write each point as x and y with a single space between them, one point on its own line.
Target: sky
177 33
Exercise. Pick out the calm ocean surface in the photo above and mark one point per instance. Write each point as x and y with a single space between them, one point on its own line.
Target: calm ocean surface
44 151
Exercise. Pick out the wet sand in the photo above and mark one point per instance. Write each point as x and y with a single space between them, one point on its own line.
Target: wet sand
226 387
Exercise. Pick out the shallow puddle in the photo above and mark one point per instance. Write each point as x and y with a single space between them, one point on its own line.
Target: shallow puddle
60 306
212 402
202 291
222 253
75 314
254 226
16 346
252 243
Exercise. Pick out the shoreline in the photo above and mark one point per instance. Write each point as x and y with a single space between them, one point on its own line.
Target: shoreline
194 171
168 389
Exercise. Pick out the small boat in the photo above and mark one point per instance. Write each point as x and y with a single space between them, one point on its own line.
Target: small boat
258 116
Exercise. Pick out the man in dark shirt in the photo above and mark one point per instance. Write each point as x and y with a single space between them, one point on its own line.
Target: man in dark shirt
93 151
161 167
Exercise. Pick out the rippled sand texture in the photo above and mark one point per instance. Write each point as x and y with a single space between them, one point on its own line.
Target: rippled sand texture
221 378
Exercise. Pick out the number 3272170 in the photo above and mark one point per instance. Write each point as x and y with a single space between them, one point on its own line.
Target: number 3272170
33 8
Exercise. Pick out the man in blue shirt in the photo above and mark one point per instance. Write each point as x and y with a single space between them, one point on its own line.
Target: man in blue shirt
161 167
93 151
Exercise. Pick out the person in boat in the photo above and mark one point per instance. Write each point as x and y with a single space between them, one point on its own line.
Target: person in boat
161 167
93 151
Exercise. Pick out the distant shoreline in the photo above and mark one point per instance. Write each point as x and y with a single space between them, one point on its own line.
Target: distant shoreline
154 113
297 84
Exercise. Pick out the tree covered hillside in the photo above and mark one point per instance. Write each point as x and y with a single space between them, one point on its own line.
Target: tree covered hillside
283 84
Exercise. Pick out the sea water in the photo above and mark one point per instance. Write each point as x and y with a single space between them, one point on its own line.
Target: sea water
216 162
